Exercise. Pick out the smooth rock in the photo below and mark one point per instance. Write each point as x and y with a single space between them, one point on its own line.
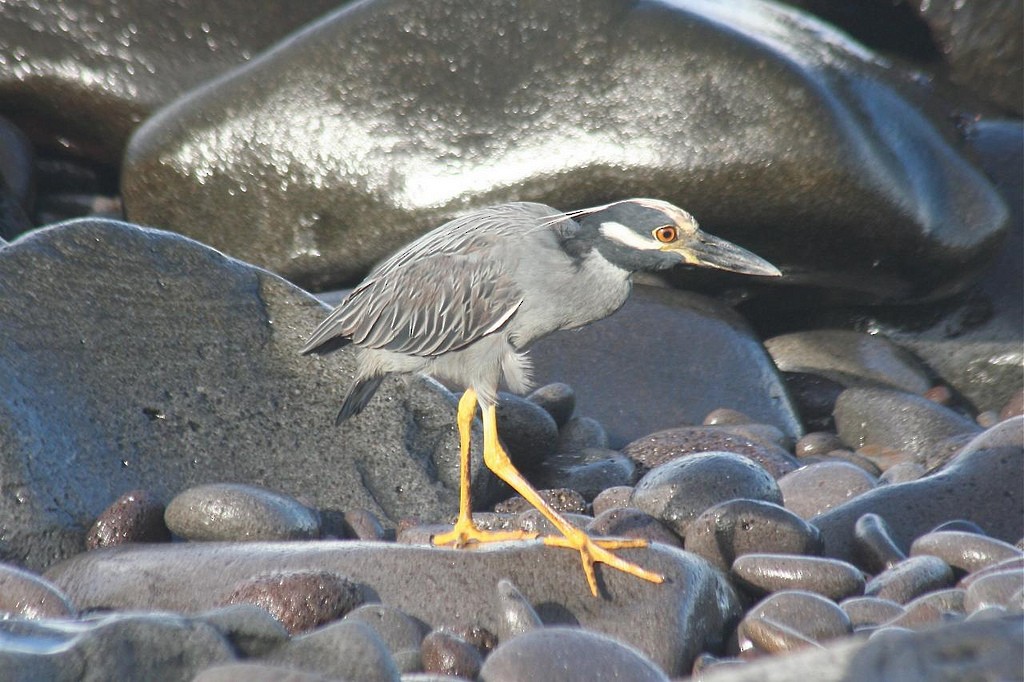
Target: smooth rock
910 579
203 327
580 433
361 524
27 595
984 484
931 608
343 650
731 529
875 549
232 511
677 492
664 446
447 654
818 443
252 630
615 497
629 522
517 614
588 471
965 552
814 489
680 618
870 611
768 636
815 398
558 654
528 432
301 600
396 629
764 573
257 672
136 516
558 400
902 472
811 615
1002 588
562 500
849 358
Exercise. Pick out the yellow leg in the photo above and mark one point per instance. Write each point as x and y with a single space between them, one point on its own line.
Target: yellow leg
465 531
591 551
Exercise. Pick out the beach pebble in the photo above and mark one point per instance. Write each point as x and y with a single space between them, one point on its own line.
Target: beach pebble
875 550
831 578
301 600
232 511
910 579
965 552
136 516
817 488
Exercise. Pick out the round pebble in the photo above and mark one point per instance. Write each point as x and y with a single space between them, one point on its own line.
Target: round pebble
769 636
933 607
27 595
867 612
813 616
562 500
252 630
851 457
902 472
910 579
528 432
612 498
363 525
399 631
301 600
679 491
1014 407
588 471
965 552
568 655
961 525
738 527
831 578
557 399
445 653
662 447
874 547
580 433
232 511
814 489
1016 563
725 415
517 615
630 522
818 443
136 516
995 589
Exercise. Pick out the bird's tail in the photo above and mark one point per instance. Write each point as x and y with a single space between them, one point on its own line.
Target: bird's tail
358 396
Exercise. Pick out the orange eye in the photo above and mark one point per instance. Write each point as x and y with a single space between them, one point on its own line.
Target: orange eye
666 234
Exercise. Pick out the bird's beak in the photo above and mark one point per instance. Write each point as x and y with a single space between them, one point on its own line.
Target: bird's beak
708 251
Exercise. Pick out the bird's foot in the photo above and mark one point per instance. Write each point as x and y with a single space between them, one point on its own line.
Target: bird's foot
465 532
597 551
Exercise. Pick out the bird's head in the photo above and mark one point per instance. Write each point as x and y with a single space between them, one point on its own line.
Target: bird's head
649 234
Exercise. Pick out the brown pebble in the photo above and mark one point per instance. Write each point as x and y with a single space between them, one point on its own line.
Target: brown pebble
931 608
1015 563
612 498
562 500
817 443
910 579
445 653
884 457
965 552
686 441
902 472
870 611
363 525
987 419
812 615
814 489
853 458
725 415
301 600
26 595
480 637
772 637
136 516
630 522
940 394
831 578
1014 407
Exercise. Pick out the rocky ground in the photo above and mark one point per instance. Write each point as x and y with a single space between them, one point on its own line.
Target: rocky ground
829 469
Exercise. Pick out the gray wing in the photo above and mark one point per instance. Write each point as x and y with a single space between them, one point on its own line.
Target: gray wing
442 292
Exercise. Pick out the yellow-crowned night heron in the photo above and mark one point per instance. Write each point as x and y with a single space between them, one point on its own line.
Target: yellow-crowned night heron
464 301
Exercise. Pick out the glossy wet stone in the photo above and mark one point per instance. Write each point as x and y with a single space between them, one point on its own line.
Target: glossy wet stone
818 443
588 471
136 516
615 497
664 446
1001 588
629 522
301 600
910 578
445 653
875 550
769 636
737 527
561 500
679 491
984 484
683 616
965 552
528 432
763 573
870 611
931 608
816 488
225 511
26 595
517 614
252 630
812 616
345 650
561 654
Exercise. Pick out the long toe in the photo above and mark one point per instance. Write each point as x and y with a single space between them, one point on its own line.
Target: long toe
597 551
466 533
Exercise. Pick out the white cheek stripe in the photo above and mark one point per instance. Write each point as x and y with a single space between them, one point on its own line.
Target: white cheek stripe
622 234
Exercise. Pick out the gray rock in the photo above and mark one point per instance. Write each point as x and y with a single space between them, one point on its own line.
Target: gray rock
629 522
615 497
562 500
816 488
345 650
1001 588
764 635
764 573
231 511
16 181
966 552
658 448
588 471
252 630
931 608
683 616
476 110
900 421
633 395
558 654
876 551
517 615
397 630
206 384
984 484
849 358
27 595
557 399
678 492
445 653
580 433
528 432
910 579
257 672
870 611
737 527
810 615
136 516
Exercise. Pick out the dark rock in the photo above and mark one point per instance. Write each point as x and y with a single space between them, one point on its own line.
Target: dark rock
763 573
589 471
533 521
16 181
447 654
815 398
965 552
811 615
982 484
737 527
1014 407
959 525
251 629
396 629
870 611
910 579
664 446
202 326
628 522
816 488
900 421
561 500
849 358
580 433
559 654
615 497
678 492
818 443
632 396
129 60
876 551
528 432
136 516
557 399
344 650
301 600
517 615
363 525
231 511
26 595
683 616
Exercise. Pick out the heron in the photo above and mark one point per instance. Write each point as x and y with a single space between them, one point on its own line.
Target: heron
464 302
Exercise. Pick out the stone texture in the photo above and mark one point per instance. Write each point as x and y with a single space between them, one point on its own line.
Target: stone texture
445 653
517 615
251 629
589 471
814 489
629 522
136 516
910 579
966 552
230 511
342 650
810 615
179 367
671 622
557 399
26 595
528 432
300 600
763 573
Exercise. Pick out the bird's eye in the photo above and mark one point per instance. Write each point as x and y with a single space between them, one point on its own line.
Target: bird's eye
666 234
